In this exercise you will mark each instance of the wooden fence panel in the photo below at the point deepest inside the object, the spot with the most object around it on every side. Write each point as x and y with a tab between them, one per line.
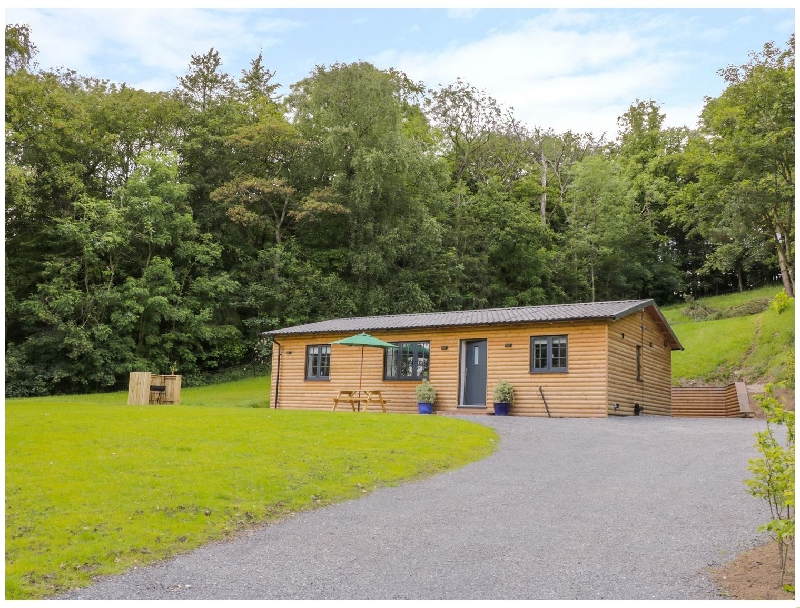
139	388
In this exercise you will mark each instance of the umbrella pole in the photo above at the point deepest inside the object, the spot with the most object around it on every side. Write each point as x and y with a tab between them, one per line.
360	371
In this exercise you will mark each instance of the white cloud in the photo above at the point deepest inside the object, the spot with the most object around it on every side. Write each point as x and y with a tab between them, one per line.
148	48
559	70
463	14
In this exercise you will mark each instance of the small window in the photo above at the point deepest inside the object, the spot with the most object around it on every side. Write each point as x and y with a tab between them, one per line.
318	362
407	361
548	354
638	362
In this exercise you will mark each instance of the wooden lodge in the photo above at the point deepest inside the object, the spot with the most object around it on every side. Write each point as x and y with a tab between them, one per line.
566	360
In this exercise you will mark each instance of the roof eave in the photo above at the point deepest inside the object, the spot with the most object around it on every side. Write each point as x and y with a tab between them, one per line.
659	318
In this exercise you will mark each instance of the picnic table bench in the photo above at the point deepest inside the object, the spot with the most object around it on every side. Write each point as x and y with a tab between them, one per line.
358	397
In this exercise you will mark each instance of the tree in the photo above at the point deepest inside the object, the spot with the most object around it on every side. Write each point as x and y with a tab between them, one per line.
20	50
205	84
256	84
649	156
746	156
212	111
466	118
363	149
613	251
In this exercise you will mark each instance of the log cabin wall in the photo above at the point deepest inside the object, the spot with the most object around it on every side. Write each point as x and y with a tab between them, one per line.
652	389
579	392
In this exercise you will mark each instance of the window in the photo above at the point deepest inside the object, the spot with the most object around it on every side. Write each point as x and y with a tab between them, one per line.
318	362
549	354
407	361
638	362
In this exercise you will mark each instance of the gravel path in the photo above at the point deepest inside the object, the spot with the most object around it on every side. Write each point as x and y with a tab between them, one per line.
618	508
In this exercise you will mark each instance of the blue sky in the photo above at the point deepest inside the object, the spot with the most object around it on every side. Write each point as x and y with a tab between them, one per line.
566	69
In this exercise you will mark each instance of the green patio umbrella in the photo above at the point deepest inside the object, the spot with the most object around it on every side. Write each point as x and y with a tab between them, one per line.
362	340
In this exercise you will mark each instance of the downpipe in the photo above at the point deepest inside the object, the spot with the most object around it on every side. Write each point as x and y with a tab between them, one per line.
278	374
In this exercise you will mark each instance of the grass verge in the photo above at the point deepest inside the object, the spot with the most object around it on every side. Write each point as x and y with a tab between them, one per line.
93	489
753	348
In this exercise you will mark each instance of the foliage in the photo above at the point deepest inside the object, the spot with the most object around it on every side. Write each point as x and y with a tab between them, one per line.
426	393
699	311
503	392
741	165
780	302
94	489
169	230
20	50
673	312
774	473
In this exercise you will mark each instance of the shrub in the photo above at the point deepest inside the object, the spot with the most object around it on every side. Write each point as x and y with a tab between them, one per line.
700	312
780	302
753	307
425	392
773	474
503	392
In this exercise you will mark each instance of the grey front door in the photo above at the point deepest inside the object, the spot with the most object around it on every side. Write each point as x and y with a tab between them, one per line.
474	370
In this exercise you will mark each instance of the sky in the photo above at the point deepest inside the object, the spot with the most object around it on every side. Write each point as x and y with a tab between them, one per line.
565	69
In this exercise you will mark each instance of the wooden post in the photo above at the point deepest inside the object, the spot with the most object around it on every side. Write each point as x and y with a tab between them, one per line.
139	388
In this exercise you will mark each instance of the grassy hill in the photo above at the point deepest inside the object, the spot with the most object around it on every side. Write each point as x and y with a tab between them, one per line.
736	337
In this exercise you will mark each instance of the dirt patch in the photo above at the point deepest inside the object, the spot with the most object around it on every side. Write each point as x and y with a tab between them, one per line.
784	395
755	575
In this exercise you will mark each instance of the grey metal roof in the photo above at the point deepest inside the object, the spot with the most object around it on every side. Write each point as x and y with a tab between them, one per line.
489	316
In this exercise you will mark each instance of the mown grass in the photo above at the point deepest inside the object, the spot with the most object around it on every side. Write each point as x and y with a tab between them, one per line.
674	312
752	348
94	489
713	349
250	392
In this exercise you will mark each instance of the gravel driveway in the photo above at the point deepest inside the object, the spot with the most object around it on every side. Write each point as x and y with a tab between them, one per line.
618	508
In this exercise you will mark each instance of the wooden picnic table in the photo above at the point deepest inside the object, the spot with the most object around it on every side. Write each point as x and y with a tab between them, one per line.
358	397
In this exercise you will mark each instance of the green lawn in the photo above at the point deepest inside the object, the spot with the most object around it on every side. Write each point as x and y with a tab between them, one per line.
713	349
673	313
758	347
94	486
251	392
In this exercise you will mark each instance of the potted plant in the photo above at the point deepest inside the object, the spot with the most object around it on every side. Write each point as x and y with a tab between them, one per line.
426	395
503	397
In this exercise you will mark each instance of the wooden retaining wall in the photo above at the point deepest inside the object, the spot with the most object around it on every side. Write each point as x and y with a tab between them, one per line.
711	401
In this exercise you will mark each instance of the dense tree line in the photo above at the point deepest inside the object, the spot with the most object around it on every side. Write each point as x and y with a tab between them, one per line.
165	231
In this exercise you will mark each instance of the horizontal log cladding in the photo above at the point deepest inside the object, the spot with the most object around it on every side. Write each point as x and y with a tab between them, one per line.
706	401
640	367
582	391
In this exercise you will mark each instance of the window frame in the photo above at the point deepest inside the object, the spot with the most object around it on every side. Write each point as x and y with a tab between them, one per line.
318	377
414	362
550	368
639	351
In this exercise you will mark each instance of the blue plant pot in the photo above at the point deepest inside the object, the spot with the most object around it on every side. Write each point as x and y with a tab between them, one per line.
501	409
425	408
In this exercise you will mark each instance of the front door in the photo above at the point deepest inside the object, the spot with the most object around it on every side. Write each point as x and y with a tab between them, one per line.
473	367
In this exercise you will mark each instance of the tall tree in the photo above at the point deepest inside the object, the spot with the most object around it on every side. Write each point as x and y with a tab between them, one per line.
355	120
20	50
213	110
613	252
746	154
